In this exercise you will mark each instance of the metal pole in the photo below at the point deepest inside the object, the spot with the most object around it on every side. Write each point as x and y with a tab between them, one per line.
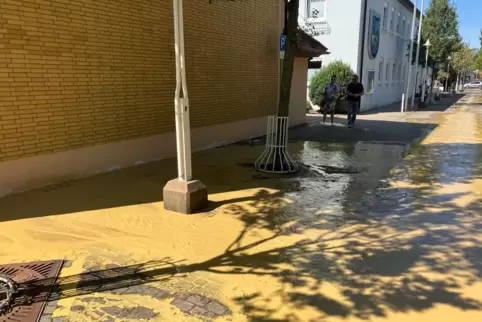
425	76
409	82
418	52
186	121
403	103
447	79
181	100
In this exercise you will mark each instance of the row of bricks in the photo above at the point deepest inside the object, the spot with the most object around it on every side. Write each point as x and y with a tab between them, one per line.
18	127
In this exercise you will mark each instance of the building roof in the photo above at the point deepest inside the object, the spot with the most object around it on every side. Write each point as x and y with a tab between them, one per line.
307	46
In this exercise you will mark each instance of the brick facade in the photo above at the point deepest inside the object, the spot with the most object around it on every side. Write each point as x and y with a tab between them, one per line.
87	72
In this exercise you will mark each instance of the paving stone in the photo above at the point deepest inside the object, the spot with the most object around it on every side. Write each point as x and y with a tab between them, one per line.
217	308
136	289
112	310
118	290
90	299
144	289
94	269
49	309
113	266
161	295
140	312
108	319
46	318
198	311
181	295
198	300
77	308
183	305
60	319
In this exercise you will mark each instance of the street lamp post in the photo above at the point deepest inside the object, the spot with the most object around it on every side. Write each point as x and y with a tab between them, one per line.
427	45
448	74
183	194
409	82
418	51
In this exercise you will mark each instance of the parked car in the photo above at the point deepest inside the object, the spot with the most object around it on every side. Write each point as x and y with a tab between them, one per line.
474	84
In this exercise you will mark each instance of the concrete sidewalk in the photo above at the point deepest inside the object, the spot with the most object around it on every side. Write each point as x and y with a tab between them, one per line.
385	124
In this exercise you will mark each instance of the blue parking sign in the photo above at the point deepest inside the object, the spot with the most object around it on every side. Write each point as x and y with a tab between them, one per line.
282	43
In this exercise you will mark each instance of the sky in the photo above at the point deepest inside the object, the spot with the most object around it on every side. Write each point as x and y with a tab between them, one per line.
470	12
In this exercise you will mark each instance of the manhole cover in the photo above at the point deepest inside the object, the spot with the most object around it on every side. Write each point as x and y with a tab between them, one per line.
35	281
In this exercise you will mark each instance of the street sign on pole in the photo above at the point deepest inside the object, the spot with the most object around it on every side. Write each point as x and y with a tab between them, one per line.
282	46
282	43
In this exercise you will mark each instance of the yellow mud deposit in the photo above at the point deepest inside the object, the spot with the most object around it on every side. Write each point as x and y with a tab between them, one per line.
261	254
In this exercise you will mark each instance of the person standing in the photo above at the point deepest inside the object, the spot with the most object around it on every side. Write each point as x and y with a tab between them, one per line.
330	94
354	93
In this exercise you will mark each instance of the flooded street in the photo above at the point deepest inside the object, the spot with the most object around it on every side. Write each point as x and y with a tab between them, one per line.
383	223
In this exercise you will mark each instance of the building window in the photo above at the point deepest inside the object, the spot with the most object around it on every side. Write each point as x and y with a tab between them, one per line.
402	30
399	19
394	72
385	16
380	71
387	73
409	26
403	72
399	73
315	8
392	19
370	81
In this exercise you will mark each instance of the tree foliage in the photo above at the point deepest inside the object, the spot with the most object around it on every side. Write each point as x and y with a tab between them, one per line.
478	60
423	53
441	26
442	76
464	58
341	70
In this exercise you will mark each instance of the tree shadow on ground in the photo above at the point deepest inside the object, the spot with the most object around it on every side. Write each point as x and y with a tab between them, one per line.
405	246
402	248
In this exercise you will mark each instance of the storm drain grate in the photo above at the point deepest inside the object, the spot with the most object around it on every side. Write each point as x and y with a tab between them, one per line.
34	281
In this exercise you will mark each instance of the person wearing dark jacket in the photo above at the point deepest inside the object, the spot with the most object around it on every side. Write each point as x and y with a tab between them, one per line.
354	93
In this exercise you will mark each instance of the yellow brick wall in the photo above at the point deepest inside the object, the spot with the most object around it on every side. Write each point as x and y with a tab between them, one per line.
76	73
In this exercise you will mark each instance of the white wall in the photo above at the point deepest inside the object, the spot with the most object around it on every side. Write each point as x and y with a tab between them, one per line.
343	18
393	50
298	92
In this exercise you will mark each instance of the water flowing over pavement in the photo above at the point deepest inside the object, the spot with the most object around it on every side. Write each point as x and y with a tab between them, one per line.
372	228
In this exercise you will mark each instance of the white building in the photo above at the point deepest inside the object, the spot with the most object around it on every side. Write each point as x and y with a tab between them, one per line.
383	69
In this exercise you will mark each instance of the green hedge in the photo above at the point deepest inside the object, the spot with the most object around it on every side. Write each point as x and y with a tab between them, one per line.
337	68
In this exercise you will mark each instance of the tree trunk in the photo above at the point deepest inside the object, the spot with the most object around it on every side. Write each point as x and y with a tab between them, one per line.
291	32
291	29
458	79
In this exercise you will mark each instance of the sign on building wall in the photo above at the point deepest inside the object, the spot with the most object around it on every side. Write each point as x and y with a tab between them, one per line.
374	34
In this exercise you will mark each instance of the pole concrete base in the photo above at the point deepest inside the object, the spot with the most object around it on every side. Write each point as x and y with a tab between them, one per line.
186	197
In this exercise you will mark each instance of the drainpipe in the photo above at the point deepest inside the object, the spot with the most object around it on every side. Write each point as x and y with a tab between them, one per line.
365	6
